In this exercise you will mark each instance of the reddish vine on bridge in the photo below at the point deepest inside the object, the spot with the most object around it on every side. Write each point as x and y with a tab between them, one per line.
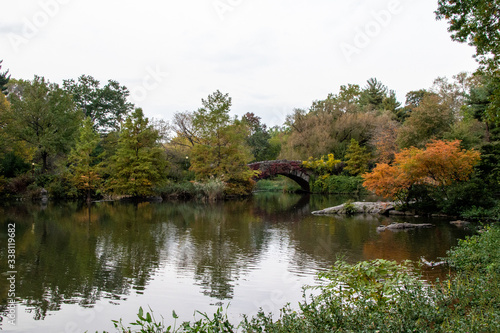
279	167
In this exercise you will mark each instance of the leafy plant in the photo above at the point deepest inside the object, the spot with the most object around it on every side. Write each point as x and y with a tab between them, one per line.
349	207
322	166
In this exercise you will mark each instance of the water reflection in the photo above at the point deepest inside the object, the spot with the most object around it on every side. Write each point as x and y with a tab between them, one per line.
71	254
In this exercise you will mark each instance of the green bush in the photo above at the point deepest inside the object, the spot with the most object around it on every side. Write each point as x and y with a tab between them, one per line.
482	214
11	165
180	190
349	207
465	195
337	184
478	253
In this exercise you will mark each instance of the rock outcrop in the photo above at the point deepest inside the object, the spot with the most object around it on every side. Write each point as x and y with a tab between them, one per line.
401	226
358	208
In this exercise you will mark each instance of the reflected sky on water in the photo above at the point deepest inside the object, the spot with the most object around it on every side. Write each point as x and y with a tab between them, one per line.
79	268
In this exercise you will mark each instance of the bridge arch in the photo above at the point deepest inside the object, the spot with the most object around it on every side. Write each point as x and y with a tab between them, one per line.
290	169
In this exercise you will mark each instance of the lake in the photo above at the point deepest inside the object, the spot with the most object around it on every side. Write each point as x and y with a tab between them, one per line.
78	268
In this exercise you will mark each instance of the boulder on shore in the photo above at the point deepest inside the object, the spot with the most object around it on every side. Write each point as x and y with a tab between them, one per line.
358	208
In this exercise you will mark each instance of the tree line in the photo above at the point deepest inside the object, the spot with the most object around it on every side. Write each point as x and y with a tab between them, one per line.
84	139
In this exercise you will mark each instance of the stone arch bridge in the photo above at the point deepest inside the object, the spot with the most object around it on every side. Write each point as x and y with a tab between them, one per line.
290	169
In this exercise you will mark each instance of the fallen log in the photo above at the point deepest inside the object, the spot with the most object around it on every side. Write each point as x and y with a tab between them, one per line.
432	263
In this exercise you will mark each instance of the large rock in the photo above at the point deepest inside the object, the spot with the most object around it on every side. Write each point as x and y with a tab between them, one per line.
401	226
358	208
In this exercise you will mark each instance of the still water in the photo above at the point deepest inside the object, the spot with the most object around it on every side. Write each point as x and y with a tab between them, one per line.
79	268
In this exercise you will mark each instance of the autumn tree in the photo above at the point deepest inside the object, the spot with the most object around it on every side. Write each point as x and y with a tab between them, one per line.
384	139
437	167
319	133
84	170
106	106
139	163
44	117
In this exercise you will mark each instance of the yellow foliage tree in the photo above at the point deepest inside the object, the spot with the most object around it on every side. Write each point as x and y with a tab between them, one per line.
321	166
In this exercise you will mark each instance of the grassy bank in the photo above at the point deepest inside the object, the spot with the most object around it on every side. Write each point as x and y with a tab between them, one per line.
380	296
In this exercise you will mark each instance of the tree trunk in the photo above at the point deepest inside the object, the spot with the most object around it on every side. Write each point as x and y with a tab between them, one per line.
44	161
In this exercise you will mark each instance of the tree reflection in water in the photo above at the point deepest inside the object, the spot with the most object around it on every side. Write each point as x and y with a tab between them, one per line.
73	254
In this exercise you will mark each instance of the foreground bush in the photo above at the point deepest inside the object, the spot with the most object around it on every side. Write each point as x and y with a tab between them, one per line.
381	296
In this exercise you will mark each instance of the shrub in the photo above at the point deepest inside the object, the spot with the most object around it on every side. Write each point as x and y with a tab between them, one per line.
349	208
181	190
212	189
337	184
478	253
481	213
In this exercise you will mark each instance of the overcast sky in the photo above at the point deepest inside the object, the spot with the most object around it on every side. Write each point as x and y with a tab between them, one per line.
271	56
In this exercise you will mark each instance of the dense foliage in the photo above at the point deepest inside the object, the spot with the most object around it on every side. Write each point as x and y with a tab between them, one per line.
402	150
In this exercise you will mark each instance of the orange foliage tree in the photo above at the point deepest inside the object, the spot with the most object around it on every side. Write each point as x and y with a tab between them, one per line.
439	165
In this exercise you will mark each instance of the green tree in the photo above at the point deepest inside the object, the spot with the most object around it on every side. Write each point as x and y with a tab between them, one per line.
259	137
373	94
475	22
4	79
347	100
221	149
356	158
139	162
106	106
43	116
84	168
4	114
428	121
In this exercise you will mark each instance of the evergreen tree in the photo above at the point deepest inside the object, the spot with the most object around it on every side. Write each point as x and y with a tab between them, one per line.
221	149
376	96
139	163
84	170
357	158
373	94
4	79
